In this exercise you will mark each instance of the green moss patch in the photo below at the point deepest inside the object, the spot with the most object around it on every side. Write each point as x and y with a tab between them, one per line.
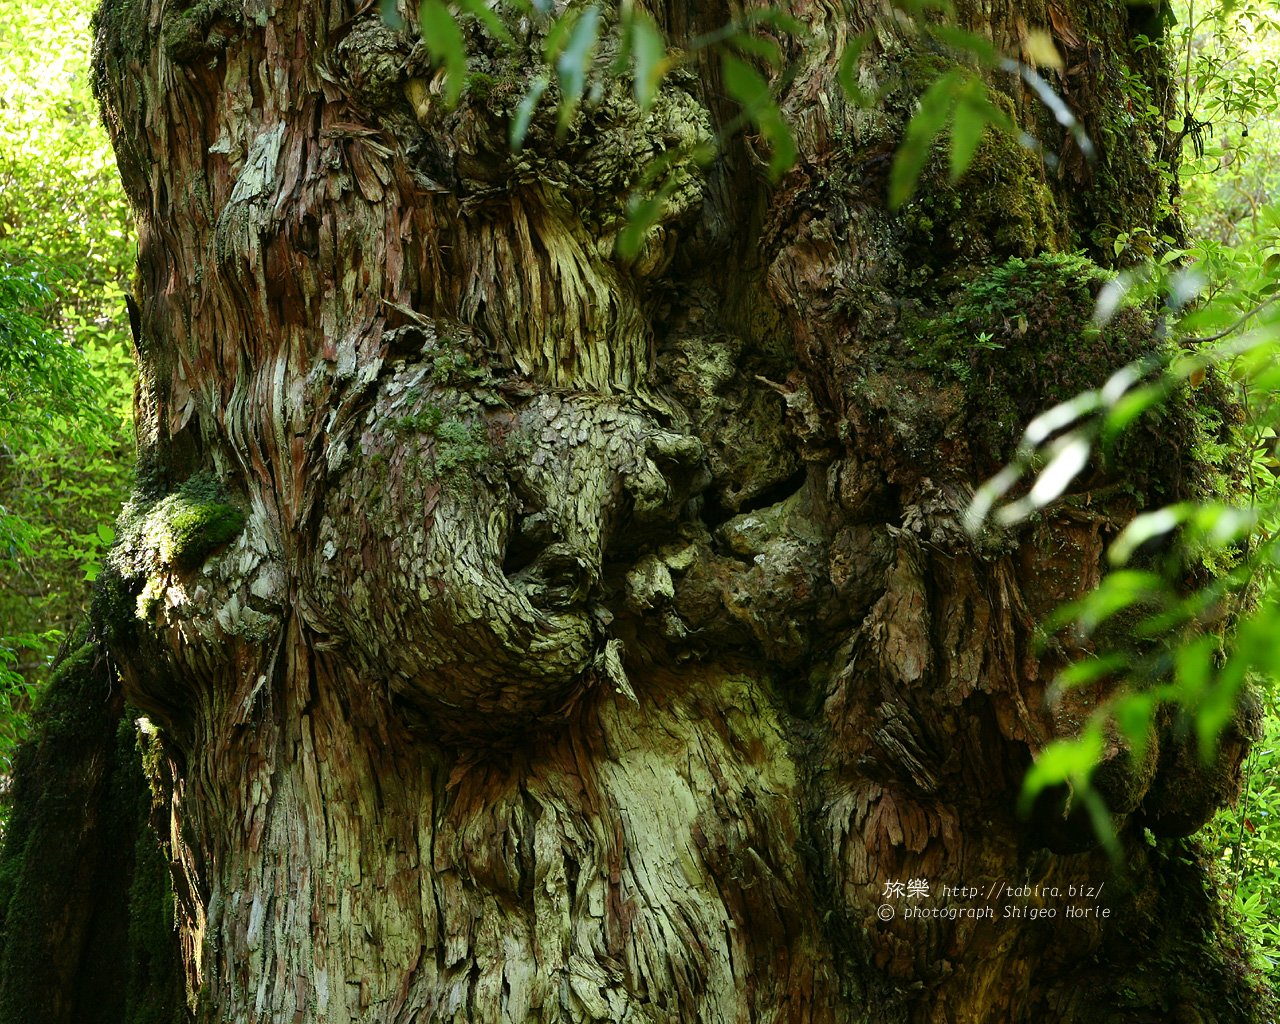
1002	206
181	529
173	533
201	30
1021	339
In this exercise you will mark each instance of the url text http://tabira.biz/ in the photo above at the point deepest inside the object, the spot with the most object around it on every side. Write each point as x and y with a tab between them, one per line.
921	898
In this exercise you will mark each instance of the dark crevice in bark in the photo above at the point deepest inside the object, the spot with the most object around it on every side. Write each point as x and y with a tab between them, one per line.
714	513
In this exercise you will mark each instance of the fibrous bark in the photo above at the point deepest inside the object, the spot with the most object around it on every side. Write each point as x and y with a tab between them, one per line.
536	634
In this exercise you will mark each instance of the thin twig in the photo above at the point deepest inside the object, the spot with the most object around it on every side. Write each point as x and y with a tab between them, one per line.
1235	326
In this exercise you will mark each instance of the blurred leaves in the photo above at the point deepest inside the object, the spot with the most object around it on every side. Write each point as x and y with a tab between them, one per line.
746	85
573	61
958	98
443	39
752	51
1188	618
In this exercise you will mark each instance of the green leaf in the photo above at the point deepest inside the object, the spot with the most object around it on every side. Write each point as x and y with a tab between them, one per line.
1214	713
106	534
558	34
1088	670
1131	406
967	127
391	16
524	112
1133	714
1060	761
1117	591
643	216
847	74
746	85
649	54
973	112
779	19
1144	528
443	39
1194	667
979	46
489	18
571	65
757	46
935	107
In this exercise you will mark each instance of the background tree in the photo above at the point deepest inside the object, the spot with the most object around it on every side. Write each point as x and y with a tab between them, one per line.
533	628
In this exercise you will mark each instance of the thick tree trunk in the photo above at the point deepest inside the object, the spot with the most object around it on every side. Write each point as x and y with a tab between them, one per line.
537	635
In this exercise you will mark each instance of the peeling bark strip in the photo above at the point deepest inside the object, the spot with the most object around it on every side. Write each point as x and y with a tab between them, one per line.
539	636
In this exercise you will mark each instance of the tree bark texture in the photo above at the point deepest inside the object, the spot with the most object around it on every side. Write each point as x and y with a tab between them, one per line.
538	635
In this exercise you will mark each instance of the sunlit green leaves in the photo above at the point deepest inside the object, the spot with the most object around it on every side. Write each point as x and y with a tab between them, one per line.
1205	526
1117	592
957	102
17	692
1063	456
1060	761
66	249
1089	670
1245	842
43	377
1190	613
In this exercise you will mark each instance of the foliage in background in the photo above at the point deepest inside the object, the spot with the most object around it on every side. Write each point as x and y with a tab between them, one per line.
66	251
1246	841
1230	62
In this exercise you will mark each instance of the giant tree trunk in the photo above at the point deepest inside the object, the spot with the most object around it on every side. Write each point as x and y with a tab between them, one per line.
537	635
